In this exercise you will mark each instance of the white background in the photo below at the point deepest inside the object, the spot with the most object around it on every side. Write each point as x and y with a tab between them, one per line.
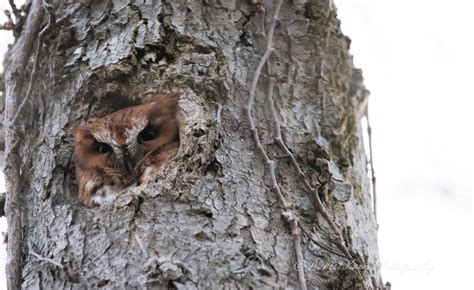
417	58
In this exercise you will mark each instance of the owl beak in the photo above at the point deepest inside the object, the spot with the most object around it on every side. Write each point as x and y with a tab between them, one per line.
128	163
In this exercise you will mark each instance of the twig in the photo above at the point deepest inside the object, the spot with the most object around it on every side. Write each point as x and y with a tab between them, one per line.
51	261
288	215
312	193
140	244
52	20
263	60
293	222
250	103
371	156
2	203
16	65
17	25
260	9
218	123
218	114
13	6
310	236
8	25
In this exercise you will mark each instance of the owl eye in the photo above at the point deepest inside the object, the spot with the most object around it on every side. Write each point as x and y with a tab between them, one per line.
147	134
103	148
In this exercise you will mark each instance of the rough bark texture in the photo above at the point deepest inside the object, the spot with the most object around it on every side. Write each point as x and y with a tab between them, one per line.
212	220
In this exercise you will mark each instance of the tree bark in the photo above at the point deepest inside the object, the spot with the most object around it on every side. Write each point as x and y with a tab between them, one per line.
211	220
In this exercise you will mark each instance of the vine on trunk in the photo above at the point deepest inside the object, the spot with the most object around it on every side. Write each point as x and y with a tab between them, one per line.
287	208
25	28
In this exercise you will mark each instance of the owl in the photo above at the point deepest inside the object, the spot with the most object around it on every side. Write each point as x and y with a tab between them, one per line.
125	148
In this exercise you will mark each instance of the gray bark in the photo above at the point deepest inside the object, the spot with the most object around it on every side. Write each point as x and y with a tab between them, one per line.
212	220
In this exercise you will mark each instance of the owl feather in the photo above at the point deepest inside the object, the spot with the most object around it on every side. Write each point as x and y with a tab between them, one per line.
125	148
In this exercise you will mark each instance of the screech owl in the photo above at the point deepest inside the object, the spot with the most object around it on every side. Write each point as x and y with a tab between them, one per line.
124	148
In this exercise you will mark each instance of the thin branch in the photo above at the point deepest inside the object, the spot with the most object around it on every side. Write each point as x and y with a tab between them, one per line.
8	25
371	156
263	60
16	65
218	114
17	25
310	236
51	22
218	123
140	244
288	215
51	261
2	203
250	104
312	192
13	6
261	10
293	222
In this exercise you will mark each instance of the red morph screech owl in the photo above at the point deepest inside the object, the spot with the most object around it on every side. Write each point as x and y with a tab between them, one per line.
125	148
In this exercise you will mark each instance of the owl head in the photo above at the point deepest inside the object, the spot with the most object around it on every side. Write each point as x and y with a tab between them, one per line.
123	148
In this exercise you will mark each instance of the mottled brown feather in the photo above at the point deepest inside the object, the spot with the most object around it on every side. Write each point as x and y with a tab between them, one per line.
126	157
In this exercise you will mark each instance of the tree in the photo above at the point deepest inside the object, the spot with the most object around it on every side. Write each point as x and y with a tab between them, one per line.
270	188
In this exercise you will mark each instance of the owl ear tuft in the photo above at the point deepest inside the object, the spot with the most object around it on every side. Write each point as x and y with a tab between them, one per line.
80	133
167	102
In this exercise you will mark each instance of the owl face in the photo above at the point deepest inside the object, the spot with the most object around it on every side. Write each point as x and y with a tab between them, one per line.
124	148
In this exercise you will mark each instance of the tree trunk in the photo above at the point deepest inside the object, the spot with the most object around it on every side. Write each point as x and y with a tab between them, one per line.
212	220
